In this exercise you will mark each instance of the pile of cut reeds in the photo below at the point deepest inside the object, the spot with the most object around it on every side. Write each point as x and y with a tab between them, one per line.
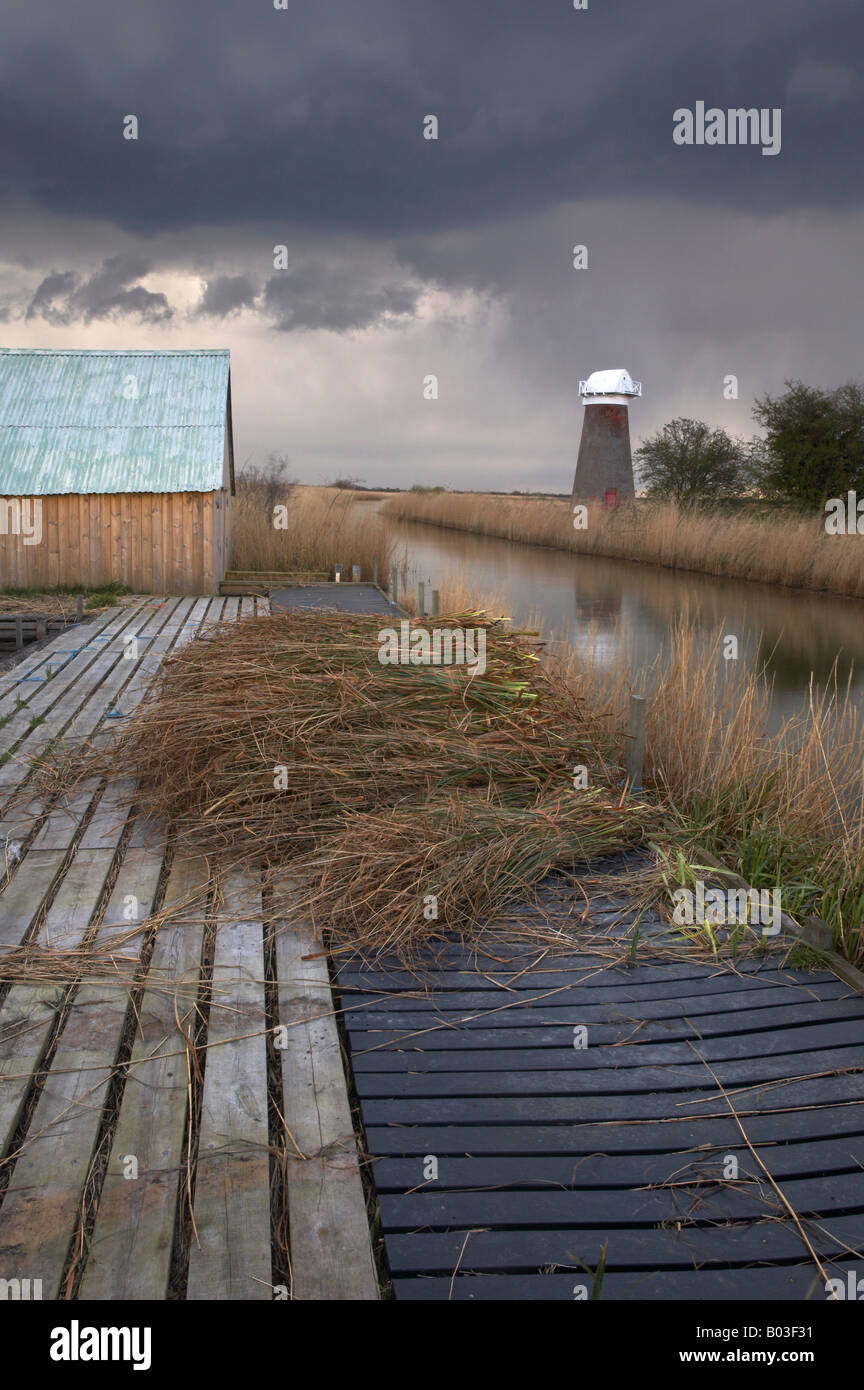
284	740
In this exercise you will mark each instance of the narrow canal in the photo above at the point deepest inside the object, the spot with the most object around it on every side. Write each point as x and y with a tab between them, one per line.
609	605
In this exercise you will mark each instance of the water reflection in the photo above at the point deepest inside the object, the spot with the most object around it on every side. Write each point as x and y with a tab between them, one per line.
612	602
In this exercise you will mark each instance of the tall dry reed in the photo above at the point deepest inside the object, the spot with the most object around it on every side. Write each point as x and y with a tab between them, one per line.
323	527
776	549
787	808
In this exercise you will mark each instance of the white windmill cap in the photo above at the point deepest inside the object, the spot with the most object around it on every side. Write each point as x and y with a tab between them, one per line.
614	382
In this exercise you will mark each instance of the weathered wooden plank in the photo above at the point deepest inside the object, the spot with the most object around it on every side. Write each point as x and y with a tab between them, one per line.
691	1206
786	1283
612	1083
531	1251
572	996
30	697
632	1136
589	975
610	1170
63	928
331	1252
374	1014
628	1105
232	1258
382	1033
42	1204
130	1253
796	1043
80	707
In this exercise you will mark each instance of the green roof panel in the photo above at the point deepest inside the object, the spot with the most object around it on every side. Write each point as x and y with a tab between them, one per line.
102	422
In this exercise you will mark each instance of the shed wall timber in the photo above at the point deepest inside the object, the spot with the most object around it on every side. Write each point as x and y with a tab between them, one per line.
154	542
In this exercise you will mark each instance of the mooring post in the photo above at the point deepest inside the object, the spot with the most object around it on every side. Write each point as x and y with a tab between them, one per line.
375	569
19	633
41	629
421	599
394	586
435	603
79	607
355	574
636	742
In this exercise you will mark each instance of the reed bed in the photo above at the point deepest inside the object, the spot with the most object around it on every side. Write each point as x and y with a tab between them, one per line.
785	808
323	527
285	740
781	548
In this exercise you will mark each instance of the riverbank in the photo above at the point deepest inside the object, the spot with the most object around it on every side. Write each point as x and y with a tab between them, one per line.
784	808
780	549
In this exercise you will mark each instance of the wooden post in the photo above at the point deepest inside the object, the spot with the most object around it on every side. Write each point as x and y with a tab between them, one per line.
436	604
41	629
79	607
421	599
375	569
394	587
636	742
19	633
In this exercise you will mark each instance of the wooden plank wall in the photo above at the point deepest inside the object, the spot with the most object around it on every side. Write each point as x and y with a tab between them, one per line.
154	542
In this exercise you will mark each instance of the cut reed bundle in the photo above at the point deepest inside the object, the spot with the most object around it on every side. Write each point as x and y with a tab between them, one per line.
266	734
284	740
394	880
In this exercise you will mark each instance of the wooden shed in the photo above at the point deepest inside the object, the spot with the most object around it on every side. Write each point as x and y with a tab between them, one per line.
115	466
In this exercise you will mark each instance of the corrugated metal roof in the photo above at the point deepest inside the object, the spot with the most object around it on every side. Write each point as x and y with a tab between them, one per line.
89	422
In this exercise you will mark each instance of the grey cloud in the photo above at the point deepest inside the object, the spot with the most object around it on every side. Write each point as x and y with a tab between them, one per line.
110	292
334	297
314	115
51	299
225	294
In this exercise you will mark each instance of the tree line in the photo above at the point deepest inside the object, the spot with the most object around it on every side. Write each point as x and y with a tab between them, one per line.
812	449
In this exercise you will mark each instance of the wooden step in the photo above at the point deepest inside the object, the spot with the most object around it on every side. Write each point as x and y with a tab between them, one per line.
276	577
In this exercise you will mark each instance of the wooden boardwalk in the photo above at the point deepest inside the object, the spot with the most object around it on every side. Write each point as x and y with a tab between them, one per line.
174	1117
527	1112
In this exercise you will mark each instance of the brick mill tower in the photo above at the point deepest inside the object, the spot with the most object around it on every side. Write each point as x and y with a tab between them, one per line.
604	468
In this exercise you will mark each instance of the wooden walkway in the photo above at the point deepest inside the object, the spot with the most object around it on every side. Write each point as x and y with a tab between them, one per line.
174	1117
511	1148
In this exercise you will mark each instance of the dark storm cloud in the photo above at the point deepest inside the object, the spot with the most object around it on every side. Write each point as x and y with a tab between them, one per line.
320	296
314	114
225	294
63	298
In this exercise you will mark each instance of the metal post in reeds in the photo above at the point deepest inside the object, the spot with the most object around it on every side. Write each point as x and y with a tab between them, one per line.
394	586
636	742
375	570
421	599
436	603
337	570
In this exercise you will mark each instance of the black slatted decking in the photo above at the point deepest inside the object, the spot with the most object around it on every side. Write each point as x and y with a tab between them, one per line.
547	1152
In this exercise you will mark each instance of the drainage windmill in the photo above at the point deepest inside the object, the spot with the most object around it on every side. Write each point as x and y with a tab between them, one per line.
604	468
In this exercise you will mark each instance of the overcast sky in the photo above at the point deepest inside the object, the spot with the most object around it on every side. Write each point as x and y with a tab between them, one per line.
407	257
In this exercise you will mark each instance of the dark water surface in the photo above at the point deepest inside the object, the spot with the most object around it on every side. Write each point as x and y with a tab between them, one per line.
606	604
